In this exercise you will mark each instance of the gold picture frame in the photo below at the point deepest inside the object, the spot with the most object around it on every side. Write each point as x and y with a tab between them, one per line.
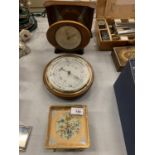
67	131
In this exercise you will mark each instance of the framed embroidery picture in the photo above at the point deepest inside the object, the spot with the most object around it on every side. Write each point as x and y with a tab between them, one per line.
68	127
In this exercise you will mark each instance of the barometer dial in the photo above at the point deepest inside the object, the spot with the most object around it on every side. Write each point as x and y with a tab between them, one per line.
68	74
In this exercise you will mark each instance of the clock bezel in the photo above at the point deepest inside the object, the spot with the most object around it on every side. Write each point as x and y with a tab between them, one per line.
68	94
84	31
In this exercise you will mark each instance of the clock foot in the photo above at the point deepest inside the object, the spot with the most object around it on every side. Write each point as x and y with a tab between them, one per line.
80	51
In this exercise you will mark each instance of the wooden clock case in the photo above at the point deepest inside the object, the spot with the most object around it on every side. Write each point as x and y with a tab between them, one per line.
78	14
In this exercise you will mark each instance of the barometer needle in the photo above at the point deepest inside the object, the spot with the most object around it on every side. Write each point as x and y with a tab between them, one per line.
70	73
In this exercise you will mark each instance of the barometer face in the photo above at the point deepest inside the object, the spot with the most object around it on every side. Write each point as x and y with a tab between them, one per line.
68	76
68	37
68	73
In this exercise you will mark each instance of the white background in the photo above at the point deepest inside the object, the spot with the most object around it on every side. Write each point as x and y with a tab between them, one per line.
145	77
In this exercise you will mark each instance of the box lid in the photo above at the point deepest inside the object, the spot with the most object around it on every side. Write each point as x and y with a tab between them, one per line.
89	3
115	8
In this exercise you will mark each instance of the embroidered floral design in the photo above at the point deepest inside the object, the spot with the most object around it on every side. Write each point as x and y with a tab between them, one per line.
67	126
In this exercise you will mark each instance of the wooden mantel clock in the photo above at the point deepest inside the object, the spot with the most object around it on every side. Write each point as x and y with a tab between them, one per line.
70	24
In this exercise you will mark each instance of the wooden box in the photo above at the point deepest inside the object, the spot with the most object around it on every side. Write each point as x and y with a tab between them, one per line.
107	12
67	131
121	56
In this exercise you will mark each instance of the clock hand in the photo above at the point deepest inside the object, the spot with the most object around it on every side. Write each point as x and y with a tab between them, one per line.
67	32
67	35
71	36
70	73
62	69
76	77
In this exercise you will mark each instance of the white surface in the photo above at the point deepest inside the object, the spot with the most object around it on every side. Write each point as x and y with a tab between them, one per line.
105	128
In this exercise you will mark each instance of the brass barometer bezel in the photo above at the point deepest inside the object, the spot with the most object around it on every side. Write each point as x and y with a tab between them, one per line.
68	94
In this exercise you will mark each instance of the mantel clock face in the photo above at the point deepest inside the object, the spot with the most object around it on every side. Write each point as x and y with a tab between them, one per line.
68	37
68	76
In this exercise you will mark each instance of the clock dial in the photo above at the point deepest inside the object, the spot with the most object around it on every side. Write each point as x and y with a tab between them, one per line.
68	73
68	37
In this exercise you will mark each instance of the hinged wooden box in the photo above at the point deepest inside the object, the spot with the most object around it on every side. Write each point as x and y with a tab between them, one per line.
108	14
121	56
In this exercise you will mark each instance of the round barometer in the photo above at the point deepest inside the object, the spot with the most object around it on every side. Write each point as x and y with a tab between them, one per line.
68	76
